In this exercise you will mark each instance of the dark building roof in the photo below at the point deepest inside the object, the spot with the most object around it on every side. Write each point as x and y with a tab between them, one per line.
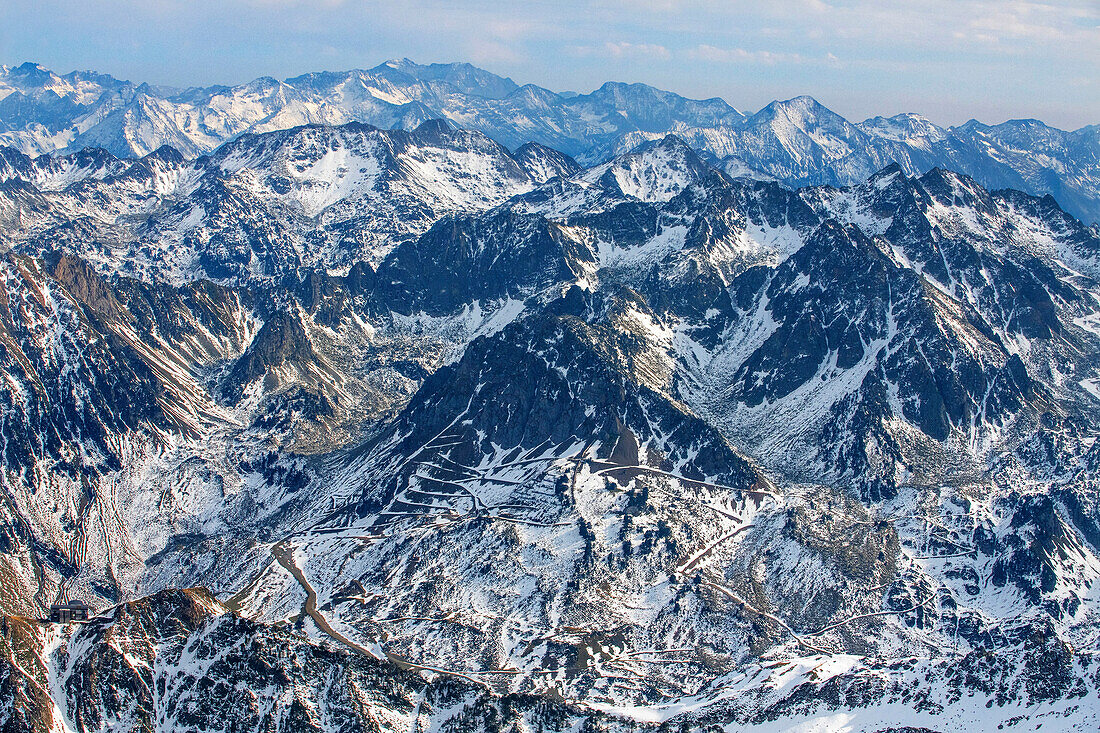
70	611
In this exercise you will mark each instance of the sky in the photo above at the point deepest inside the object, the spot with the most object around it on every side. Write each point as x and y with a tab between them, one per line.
949	60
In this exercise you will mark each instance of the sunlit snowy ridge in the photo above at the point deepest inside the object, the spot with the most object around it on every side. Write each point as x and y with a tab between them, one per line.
464	436
796	141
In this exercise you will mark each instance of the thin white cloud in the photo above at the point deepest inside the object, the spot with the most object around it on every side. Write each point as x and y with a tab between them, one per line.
714	54
1038	23
490	52
624	50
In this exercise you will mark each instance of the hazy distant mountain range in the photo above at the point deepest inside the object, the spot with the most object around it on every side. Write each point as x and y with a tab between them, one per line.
796	141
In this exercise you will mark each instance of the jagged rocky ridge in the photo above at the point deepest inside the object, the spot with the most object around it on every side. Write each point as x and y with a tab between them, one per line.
796	141
179	660
669	445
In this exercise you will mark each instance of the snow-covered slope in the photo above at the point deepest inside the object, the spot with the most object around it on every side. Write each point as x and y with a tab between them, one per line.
670	446
181	661
797	141
654	171
261	205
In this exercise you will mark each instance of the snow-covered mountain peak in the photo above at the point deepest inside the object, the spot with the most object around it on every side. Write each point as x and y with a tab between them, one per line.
534	97
906	128
803	112
953	189
656	170
436	130
165	154
797	141
32	74
887	176
462	77
543	163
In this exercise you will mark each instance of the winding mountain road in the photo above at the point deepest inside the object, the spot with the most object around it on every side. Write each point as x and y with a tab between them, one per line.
284	555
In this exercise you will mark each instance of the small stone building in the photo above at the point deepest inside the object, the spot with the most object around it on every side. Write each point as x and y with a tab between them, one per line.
71	611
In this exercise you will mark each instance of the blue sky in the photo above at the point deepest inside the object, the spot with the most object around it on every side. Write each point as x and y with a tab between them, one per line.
947	59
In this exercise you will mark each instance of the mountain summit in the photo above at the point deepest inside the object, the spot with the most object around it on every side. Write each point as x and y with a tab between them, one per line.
797	141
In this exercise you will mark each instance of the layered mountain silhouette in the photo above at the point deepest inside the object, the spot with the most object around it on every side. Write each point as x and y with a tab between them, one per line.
796	141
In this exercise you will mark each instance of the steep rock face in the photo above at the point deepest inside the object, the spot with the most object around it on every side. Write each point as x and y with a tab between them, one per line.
281	343
543	163
102	389
839	316
95	373
24	677
88	359
463	260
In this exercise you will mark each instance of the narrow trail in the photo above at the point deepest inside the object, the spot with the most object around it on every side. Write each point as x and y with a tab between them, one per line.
282	552
284	556
78	549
